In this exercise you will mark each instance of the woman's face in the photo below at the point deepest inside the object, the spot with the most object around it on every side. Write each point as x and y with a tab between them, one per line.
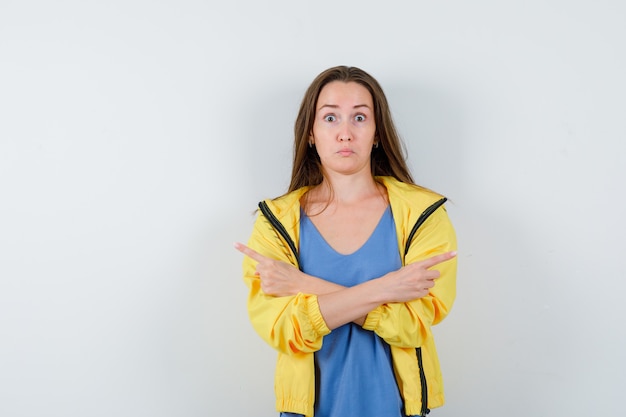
344	128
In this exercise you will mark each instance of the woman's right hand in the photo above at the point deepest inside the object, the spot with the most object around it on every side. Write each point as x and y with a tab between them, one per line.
413	281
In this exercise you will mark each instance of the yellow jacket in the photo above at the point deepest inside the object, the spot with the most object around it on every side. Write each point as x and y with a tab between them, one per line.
294	326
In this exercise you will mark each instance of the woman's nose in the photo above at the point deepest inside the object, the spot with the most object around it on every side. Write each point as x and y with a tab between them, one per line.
344	133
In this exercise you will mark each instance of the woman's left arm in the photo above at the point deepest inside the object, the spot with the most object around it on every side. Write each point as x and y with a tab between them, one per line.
402	324
281	279
409	324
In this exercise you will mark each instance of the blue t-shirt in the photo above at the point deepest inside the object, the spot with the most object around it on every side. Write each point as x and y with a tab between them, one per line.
353	369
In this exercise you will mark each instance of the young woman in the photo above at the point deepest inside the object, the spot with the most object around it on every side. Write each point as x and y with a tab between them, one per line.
348	271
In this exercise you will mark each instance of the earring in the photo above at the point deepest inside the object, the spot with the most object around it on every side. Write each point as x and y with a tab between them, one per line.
376	145
310	144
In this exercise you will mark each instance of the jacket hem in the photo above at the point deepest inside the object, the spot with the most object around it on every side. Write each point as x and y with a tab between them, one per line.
414	407
292	406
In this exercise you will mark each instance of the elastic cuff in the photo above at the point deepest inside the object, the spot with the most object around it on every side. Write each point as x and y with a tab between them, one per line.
372	319
317	321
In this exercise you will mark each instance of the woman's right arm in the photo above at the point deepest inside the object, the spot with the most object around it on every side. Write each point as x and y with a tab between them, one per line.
291	324
406	284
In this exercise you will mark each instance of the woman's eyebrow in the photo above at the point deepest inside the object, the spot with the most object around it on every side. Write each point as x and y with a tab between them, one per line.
334	106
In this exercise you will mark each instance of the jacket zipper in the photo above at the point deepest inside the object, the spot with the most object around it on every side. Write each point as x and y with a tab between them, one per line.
278	226
420	363
422	218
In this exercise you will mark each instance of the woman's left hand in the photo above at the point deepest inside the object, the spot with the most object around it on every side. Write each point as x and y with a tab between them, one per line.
278	278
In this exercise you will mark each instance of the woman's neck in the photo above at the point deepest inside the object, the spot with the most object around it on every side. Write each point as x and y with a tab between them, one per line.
346	190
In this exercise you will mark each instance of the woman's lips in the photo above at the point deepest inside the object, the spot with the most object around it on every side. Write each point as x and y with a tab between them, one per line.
345	152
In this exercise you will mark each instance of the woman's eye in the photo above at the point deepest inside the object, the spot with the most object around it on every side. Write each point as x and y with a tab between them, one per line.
360	118
330	118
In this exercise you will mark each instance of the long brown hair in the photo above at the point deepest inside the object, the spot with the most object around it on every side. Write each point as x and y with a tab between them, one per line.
387	159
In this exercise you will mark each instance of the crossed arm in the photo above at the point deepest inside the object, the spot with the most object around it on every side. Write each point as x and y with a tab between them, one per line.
340	305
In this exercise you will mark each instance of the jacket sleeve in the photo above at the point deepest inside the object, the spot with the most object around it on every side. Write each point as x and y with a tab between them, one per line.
291	324
409	324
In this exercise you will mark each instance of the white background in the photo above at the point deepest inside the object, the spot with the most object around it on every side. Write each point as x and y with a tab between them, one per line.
136	138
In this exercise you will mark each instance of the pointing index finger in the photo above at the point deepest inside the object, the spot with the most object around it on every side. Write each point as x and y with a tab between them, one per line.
437	259
249	252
